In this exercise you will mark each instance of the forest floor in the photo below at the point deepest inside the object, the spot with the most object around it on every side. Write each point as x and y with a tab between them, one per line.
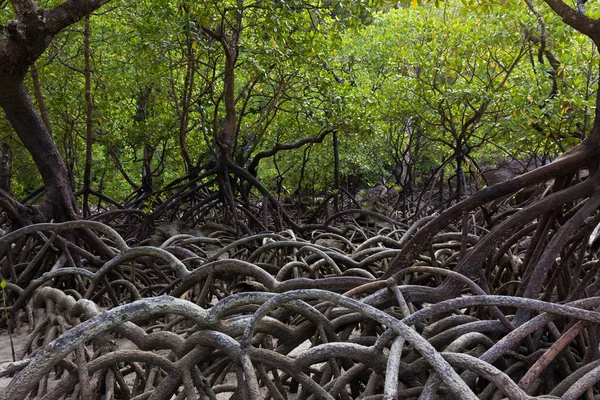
295	315
6	353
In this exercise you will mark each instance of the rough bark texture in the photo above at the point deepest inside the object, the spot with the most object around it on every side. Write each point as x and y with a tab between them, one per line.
25	120
22	41
5	166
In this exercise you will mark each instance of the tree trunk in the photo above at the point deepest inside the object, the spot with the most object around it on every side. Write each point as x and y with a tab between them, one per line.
39	97
336	172
89	110
460	191
149	148
59	203
5	166
186	101
22	41
226	138
147	185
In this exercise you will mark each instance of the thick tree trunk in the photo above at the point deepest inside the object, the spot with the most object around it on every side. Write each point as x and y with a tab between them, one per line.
21	113
227	137
22	41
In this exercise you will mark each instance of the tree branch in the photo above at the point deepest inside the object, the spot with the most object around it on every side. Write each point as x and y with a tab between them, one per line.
252	168
69	12
588	26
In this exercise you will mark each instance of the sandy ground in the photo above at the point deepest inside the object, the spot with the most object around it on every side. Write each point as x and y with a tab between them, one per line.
19	338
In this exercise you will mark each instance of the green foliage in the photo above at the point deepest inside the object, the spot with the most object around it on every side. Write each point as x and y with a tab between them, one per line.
463	80
452	81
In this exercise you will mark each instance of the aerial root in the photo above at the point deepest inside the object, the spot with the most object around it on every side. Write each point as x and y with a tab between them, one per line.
272	314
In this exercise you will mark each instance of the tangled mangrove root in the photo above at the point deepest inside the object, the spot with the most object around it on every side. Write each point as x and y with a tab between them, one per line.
276	316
